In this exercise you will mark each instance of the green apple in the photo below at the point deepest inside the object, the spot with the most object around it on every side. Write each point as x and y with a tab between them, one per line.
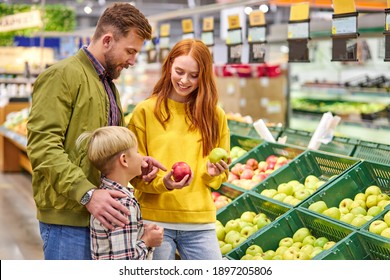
358	210
371	200
373	189
269	254
254	249
286	241
269	192
345	204
383	196
226	248
289	199
244	223
386	218
279	196
332	212
318	206
232	236
285	188
248	216
247	257
258	216
347	218
377	226
374	210
297	245
383	203
310	181
277	258
318	184
262	222
220	231
309	240
290	253
218	154
386	232
368	218
239	241
358	221
218	223
298	187
315	252
360	196
302	194
357	203
258	257
295	201
308	249
300	234
280	250
329	245
248	231
232	225
320	241
293	183
301	256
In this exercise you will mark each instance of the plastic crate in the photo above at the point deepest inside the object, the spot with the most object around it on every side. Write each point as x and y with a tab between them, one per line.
251	202
359	246
340	145
229	191
240	128
355	180
245	142
262	151
297	137
320	164
286	226
377	236
374	152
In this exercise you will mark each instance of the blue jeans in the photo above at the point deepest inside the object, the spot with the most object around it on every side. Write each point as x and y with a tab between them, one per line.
191	245
65	242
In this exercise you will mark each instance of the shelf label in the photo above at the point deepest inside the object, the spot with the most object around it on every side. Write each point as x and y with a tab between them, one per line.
298	30
20	21
186	25
208	24
256	34
234	21
344	25
256	18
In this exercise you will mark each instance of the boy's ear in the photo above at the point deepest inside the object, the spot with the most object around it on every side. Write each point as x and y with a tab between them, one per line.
123	160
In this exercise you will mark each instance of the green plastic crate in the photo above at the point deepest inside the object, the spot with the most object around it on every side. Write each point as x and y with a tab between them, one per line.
229	191
240	128
378	217
251	202
355	180
374	152
262	151
359	246
320	164
245	142
286	226
340	145
297	137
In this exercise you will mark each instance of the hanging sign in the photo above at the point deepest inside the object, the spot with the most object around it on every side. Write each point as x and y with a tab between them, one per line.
207	35
20	21
188	30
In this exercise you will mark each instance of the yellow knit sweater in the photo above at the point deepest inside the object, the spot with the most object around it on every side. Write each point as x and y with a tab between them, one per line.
192	204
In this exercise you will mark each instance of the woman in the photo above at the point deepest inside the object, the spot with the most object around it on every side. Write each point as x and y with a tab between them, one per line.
181	121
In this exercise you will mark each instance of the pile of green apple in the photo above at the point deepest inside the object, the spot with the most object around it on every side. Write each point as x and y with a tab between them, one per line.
301	246
293	192
357	211
236	231
381	226
237	152
252	172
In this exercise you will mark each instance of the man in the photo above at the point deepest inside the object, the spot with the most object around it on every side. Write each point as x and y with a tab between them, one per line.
73	96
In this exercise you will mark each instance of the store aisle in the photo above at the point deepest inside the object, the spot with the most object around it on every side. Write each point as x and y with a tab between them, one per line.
19	232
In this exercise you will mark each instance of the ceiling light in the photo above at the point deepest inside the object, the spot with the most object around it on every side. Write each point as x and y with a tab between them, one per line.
87	10
248	10
264	8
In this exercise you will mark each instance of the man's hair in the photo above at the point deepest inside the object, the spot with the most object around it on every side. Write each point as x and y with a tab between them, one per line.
120	18
105	143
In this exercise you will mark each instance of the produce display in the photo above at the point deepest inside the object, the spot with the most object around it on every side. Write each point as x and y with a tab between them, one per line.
381	226
302	245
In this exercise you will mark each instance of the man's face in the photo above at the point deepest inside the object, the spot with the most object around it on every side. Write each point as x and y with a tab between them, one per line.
122	53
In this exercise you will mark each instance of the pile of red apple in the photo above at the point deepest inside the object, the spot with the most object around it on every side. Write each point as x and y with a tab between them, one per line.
356	211
301	246
293	192
381	226
220	200
251	173
236	231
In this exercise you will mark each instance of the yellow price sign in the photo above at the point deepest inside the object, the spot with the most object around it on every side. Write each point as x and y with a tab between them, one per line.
165	30
186	25
208	24
234	21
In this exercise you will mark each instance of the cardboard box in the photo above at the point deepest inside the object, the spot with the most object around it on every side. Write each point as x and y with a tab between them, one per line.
260	98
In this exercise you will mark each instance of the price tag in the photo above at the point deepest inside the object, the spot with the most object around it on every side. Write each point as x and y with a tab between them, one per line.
256	18
256	34
387	22
165	30
344	25
186	25
234	21
234	37
299	12
207	38
298	30
208	24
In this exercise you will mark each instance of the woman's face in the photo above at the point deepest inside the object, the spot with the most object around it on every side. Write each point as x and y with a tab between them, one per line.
184	77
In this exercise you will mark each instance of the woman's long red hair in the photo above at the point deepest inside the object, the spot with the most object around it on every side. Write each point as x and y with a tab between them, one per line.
202	103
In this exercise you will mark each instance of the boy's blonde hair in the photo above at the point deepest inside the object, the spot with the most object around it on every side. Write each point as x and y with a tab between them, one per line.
105	143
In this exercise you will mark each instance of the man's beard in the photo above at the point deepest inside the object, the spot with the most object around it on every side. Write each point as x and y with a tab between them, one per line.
111	68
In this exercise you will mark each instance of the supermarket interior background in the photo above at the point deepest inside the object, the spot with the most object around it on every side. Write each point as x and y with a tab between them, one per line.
287	63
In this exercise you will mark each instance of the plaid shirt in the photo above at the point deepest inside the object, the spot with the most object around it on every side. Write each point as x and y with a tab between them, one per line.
120	243
114	113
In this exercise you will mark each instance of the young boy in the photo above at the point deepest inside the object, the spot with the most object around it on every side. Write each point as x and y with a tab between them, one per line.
113	151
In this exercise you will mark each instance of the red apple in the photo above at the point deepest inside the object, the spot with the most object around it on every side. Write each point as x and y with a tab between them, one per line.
262	166
247	174
232	177
253	163
180	170
215	195
259	177
237	169
271	159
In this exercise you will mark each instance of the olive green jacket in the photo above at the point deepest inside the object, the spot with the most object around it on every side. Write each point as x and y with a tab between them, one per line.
68	99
